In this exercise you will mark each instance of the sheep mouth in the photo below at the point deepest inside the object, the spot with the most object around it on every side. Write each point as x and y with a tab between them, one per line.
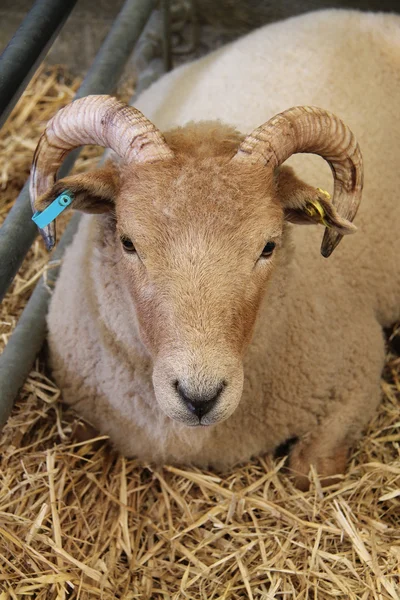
194	422
200	424
205	421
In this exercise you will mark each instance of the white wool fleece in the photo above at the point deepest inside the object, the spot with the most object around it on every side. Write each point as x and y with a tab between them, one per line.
313	372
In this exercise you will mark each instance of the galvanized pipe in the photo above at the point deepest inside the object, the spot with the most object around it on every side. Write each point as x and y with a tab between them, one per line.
16	237
110	61
27	49
27	339
167	50
148	61
18	232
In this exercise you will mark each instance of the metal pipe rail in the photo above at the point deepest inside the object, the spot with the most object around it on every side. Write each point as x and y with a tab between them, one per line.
27	49
18	232
26	341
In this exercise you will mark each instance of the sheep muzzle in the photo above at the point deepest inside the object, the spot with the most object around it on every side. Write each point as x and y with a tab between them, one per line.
198	390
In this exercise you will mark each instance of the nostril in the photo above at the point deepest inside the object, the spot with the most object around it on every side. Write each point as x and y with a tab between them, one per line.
199	404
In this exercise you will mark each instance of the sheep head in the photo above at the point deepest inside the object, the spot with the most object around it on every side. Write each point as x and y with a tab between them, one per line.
199	226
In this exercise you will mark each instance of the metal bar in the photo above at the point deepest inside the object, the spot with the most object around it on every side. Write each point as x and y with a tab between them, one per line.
167	51
25	342
27	338
149	44
18	231
117	47
16	237
149	63
27	48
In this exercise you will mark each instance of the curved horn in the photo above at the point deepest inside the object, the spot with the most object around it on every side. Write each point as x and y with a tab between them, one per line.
314	130
100	120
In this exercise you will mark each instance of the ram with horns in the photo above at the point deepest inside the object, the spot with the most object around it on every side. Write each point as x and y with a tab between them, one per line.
192	322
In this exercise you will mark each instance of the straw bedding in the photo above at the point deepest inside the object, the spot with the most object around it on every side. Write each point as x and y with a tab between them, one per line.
79	521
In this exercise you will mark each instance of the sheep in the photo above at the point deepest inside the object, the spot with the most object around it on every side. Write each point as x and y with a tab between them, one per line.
194	320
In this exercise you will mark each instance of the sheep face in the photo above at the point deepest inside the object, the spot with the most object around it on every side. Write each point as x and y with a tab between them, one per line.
191	237
197	238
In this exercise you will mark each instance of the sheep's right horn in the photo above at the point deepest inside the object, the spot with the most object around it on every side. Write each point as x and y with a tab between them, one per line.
100	120
312	129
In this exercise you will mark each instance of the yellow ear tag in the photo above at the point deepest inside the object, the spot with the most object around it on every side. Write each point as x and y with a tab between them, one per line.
316	211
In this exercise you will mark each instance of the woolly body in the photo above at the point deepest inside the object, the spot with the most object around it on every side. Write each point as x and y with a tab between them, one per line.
312	370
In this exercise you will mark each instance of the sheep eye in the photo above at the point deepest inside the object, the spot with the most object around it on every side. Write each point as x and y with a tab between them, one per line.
127	245
268	249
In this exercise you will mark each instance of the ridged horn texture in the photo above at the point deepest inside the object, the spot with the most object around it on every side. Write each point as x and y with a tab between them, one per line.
100	120
314	130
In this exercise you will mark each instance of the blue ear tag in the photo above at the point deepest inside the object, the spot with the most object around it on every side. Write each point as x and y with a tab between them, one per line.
42	219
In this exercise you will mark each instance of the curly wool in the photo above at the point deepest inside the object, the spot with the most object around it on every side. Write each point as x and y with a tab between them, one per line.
312	371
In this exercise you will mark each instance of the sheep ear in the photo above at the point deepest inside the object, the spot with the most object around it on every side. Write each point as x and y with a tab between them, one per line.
93	192
306	205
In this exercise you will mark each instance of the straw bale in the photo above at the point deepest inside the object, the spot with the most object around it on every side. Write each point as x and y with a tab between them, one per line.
79	521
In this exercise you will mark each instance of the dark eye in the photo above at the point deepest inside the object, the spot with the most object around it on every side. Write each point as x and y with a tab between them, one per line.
268	249
127	244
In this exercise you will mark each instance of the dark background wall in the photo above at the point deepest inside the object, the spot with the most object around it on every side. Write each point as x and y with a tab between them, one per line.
242	15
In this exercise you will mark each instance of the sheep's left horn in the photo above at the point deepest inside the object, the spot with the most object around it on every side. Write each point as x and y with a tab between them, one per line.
314	130
100	120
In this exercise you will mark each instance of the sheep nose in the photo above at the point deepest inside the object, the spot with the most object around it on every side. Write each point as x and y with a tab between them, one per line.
200	404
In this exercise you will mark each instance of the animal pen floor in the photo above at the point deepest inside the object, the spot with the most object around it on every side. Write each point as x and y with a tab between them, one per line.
79	521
